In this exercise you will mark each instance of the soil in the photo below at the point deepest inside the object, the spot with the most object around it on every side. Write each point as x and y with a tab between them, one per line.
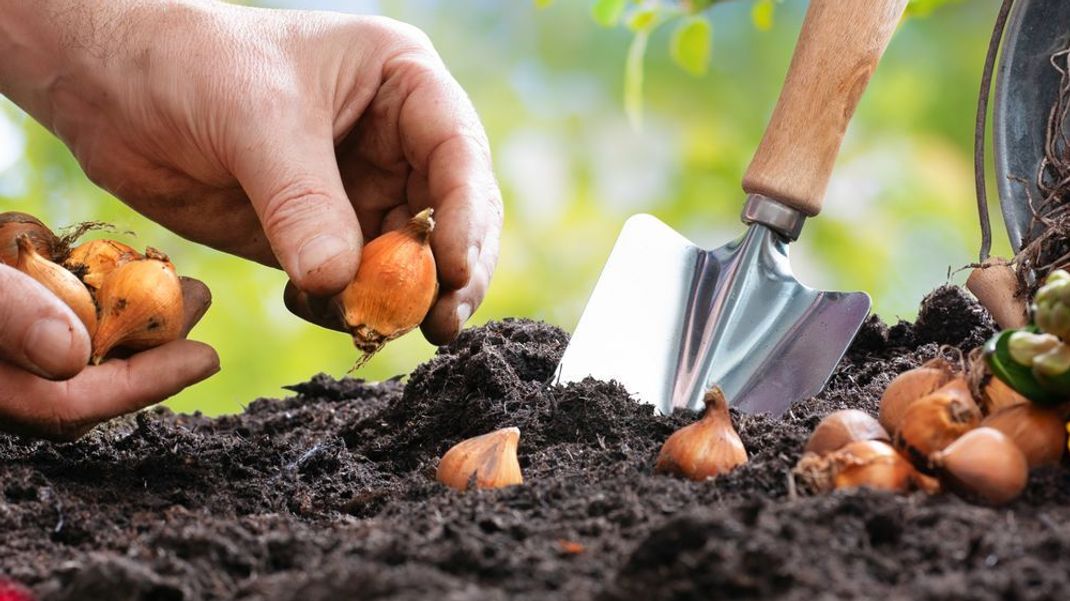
330	494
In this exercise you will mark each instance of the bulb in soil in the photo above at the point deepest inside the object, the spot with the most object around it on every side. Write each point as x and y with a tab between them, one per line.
860	464
997	396
935	421
910	386
59	281
395	286
14	224
843	427
487	461
140	306
1039	432
927	484
991	393
983	464
94	260
705	448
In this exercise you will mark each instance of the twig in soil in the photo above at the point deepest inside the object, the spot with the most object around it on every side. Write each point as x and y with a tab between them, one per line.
305	457
50	495
793	492
1047	521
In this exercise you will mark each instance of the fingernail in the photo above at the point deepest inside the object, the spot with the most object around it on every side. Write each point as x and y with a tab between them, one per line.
47	346
318	251
464	311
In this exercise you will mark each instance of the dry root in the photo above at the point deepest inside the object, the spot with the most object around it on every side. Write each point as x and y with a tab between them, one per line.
1049	249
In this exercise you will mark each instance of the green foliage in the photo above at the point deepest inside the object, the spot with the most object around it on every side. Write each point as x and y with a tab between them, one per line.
645	18
607	13
923	8
690	46
762	14
633	78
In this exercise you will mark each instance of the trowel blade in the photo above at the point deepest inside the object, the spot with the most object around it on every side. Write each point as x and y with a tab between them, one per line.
668	319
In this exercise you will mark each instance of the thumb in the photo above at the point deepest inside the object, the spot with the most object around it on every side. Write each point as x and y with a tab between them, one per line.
38	332
294	186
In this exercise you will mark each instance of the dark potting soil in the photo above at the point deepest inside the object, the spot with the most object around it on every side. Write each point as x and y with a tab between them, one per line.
330	494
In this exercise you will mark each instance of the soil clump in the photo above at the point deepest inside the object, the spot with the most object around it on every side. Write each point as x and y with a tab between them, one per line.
330	494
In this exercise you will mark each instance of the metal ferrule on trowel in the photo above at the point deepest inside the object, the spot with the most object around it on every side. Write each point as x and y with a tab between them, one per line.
669	320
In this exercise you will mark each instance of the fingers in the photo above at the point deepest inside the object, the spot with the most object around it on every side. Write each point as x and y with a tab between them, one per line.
196	298
396	218
291	177
445	142
454	307
66	410
315	309
38	332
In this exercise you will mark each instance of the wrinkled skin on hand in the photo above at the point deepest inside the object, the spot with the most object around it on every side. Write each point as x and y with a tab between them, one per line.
46	388
284	137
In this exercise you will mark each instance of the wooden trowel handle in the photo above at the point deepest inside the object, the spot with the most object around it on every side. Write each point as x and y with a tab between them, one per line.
839	47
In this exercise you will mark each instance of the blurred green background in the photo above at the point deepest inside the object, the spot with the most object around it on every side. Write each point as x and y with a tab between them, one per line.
548	82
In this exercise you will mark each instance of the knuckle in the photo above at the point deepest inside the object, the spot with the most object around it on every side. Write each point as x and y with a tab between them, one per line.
468	140
475	138
293	204
401	34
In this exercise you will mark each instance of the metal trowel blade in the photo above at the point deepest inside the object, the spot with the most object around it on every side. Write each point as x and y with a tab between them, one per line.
668	320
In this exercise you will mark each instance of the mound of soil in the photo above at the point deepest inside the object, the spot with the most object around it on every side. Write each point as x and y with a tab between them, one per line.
330	494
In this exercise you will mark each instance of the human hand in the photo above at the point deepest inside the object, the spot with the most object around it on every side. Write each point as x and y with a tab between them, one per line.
47	389
284	137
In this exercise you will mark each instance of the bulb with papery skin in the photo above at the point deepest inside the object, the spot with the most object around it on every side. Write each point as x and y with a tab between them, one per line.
14	224
706	448
487	461
860	464
94	260
140	306
1039	432
394	288
59	281
935	421
910	386
985	465
843	427
873	464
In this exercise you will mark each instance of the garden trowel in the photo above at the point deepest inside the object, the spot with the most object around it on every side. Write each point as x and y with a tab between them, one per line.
668	320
